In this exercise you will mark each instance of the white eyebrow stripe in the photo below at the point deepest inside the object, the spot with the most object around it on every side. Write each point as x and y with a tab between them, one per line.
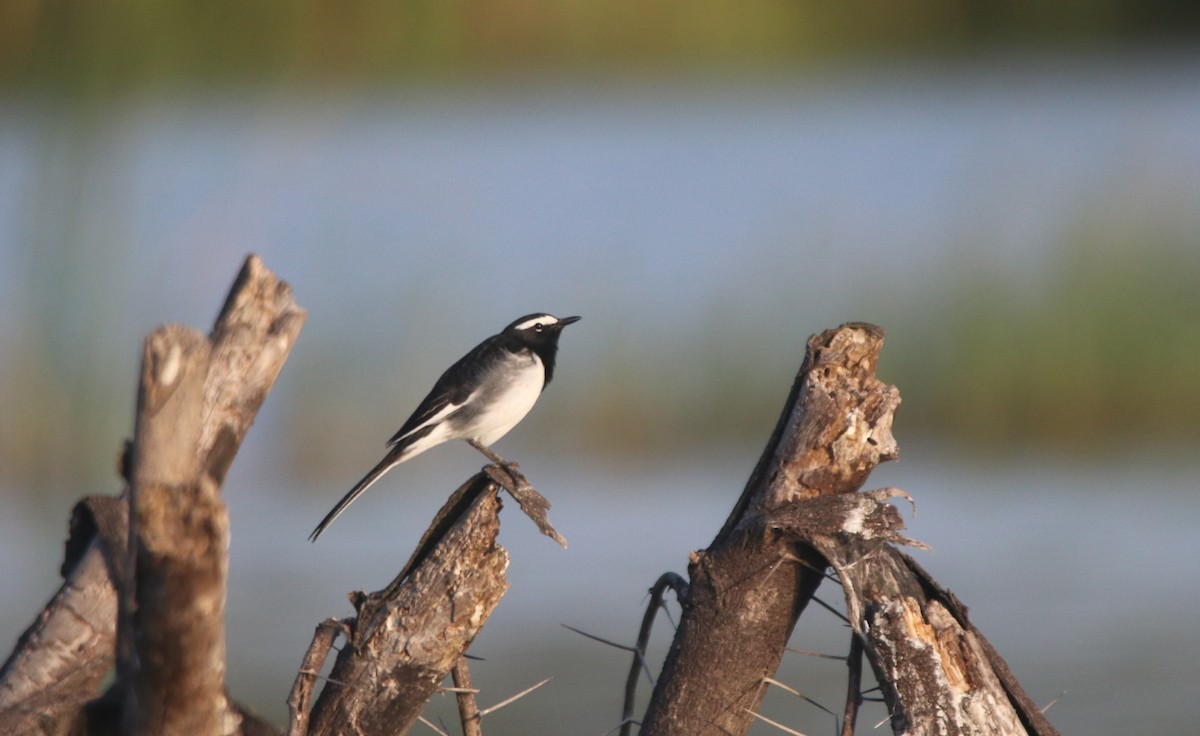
546	319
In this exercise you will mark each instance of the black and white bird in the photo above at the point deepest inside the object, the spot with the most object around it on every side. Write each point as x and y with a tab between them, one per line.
478	399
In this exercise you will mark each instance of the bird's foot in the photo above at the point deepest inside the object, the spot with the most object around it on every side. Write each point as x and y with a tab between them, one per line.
507	478
510	469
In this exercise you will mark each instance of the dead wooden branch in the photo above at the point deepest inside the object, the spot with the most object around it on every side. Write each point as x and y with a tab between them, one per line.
937	673
200	397
935	670
407	638
464	693
61	660
300	699
173	598
835	427
667	581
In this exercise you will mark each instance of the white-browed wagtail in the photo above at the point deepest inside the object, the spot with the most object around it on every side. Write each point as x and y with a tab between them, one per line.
478	399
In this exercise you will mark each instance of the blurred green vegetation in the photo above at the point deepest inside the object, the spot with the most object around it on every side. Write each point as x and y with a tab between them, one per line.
1102	352
99	49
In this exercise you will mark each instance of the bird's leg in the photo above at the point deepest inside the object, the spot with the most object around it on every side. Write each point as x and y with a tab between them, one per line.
490	454
504	466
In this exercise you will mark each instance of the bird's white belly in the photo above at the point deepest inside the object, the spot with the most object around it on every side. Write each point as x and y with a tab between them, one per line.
508	405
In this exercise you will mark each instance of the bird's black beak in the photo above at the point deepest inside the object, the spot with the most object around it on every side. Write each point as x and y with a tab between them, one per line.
568	321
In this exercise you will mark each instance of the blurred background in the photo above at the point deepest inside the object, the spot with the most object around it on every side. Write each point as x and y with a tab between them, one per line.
1011	190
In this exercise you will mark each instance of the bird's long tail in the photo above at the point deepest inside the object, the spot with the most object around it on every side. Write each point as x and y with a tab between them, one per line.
391	460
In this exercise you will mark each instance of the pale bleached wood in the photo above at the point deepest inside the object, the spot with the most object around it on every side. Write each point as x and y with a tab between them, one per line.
64	656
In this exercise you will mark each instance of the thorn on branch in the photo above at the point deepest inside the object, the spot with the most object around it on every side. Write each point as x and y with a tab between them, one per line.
602	640
798	694
1057	698
831	609
513	699
435	729
822	655
776	724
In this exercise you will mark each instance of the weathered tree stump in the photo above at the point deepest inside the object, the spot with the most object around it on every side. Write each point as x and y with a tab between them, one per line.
800	514
197	398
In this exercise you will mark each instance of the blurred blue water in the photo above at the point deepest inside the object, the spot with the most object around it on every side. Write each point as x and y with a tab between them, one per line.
651	201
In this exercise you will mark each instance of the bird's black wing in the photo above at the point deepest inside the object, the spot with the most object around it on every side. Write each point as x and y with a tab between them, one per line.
453	387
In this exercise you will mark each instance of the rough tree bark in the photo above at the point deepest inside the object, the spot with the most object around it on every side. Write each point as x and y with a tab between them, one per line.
198	398
172	678
937	672
798	515
173	602
61	660
751	584
405	639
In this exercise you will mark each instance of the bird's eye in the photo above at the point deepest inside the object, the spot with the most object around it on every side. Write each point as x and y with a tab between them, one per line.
539	327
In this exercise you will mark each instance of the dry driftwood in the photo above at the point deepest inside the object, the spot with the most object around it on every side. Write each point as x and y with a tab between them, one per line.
172	678
937	672
748	588
407	638
799	514
198	397
173	612
61	660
